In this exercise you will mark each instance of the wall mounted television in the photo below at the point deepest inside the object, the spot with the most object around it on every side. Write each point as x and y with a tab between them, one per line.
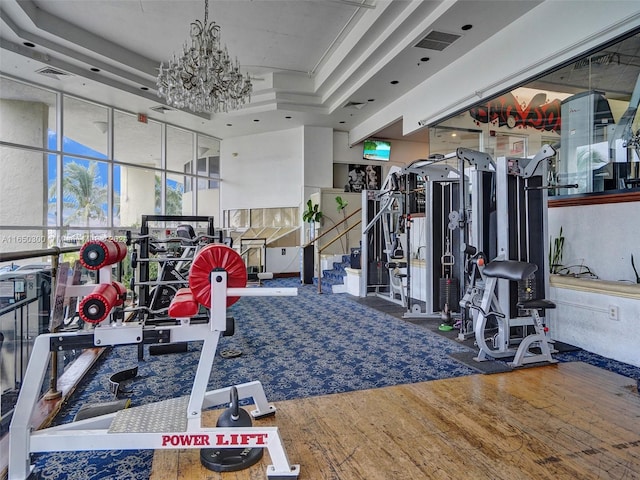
376	150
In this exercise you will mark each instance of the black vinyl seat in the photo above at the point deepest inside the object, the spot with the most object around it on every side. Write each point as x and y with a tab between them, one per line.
510	269
538	304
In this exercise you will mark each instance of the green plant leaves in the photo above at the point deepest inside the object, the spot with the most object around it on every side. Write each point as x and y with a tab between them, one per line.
312	213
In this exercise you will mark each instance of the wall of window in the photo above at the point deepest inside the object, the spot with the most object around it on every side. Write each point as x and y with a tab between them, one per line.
71	169
587	110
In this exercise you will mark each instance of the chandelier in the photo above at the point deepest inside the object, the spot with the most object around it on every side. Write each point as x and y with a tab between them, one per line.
204	78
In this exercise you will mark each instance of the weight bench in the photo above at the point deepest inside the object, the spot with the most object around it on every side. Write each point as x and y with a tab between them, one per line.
183	304
217	279
513	271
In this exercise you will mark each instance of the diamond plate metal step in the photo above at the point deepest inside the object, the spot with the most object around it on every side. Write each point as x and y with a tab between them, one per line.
165	416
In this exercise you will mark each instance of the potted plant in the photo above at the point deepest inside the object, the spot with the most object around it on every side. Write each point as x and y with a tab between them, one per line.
312	215
556	247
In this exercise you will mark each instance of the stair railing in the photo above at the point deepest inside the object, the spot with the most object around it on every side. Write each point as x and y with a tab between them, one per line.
320	249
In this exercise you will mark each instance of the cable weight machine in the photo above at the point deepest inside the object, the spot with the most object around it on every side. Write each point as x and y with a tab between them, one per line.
437	182
522	224
387	252
507	300
459	211
476	224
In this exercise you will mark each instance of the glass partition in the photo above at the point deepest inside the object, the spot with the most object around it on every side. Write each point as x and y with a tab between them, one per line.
85	128
208	146
84	192
179	148
138	192
136	142
65	191
23	200
176	202
29	114
587	110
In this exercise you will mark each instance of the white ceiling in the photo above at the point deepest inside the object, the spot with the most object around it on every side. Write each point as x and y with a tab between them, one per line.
308	58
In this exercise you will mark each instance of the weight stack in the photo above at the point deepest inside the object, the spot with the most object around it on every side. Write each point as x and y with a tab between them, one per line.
449	294
526	291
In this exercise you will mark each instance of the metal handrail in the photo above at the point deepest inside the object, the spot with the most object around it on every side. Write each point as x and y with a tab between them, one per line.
54	253
339	236
335	239
313	240
11	256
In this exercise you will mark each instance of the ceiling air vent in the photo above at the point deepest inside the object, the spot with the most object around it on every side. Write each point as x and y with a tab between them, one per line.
437	40
52	73
597	60
161	109
357	105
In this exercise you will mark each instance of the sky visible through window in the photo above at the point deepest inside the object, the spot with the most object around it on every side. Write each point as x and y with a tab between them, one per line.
71	148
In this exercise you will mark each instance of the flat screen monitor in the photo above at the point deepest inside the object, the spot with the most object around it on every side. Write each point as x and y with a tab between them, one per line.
377	150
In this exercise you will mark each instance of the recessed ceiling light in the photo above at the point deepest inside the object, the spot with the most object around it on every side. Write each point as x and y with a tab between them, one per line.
424	59
341	121
94	69
394	82
467	27
144	88
256	120
229	124
29	44
371	100
288	116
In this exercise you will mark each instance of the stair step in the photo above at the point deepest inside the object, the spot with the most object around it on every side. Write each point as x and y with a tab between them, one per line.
333	280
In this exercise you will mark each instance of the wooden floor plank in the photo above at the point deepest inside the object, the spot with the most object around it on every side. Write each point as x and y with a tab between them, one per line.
562	421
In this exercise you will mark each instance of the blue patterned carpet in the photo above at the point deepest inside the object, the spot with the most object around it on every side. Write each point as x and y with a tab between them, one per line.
296	346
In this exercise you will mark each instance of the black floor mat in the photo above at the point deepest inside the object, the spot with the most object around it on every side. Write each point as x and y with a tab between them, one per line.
562	347
432	324
487	367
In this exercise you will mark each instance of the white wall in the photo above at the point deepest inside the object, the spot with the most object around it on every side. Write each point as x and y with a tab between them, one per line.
318	157
262	171
582	318
402	153
603	237
275	169
283	259
552	33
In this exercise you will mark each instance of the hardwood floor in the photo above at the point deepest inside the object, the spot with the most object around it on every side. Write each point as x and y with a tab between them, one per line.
565	421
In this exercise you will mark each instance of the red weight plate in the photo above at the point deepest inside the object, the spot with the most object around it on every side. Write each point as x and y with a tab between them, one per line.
212	257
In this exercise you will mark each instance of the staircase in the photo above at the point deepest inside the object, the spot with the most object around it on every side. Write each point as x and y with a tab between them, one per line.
333	273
